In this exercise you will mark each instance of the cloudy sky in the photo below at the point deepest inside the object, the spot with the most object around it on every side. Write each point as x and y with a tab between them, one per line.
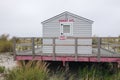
24	17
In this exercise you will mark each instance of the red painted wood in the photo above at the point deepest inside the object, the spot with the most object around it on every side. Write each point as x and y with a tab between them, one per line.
68	58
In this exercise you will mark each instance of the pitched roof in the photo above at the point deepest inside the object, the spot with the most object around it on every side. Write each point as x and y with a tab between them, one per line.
71	14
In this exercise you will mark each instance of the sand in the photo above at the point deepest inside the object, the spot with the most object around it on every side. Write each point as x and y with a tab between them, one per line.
7	61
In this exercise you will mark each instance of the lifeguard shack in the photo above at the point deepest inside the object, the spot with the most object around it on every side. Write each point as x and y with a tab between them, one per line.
64	26
67	37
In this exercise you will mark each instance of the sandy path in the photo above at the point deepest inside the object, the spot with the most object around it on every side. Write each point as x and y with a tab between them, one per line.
7	60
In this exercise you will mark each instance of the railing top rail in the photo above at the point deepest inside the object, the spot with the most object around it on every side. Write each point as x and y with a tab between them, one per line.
26	37
109	37
67	37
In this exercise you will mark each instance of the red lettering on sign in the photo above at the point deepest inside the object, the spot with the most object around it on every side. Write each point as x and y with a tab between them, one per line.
62	37
71	20
63	20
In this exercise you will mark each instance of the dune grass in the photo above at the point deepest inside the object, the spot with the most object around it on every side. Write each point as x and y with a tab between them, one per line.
5	43
37	70
33	70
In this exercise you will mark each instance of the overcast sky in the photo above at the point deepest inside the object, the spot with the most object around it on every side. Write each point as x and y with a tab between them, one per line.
24	17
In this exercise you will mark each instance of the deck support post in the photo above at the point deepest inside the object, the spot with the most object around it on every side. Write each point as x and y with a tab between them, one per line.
99	46
115	66
66	75
76	49
54	49
33	48
14	48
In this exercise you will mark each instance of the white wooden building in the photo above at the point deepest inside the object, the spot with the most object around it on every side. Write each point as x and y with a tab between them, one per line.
66	25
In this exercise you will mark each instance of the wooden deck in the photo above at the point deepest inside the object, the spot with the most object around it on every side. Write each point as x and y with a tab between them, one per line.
101	52
38	51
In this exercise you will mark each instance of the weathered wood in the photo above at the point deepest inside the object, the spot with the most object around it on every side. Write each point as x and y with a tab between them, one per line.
99	46
108	46
64	45
24	44
33	48
27	37
75	54
68	37
76	49
53	48
14	47
94	46
37	42
115	46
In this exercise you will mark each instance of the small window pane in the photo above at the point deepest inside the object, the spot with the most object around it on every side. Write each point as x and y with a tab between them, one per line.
66	28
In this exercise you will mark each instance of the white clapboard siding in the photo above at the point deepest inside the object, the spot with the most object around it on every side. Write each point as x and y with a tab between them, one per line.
51	31
84	50
68	49
67	41
47	49
47	41
84	41
65	49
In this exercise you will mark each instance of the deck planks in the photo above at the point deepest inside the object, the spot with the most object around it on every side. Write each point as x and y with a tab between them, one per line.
104	53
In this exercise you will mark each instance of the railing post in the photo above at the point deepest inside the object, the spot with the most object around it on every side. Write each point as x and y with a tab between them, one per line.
14	48
114	46
33	48
99	46
76	49
54	49
108	43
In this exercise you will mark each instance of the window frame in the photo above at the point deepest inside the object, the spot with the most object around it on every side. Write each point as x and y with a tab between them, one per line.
71	28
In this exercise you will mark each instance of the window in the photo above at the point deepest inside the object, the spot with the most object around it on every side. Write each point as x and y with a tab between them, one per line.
66	28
